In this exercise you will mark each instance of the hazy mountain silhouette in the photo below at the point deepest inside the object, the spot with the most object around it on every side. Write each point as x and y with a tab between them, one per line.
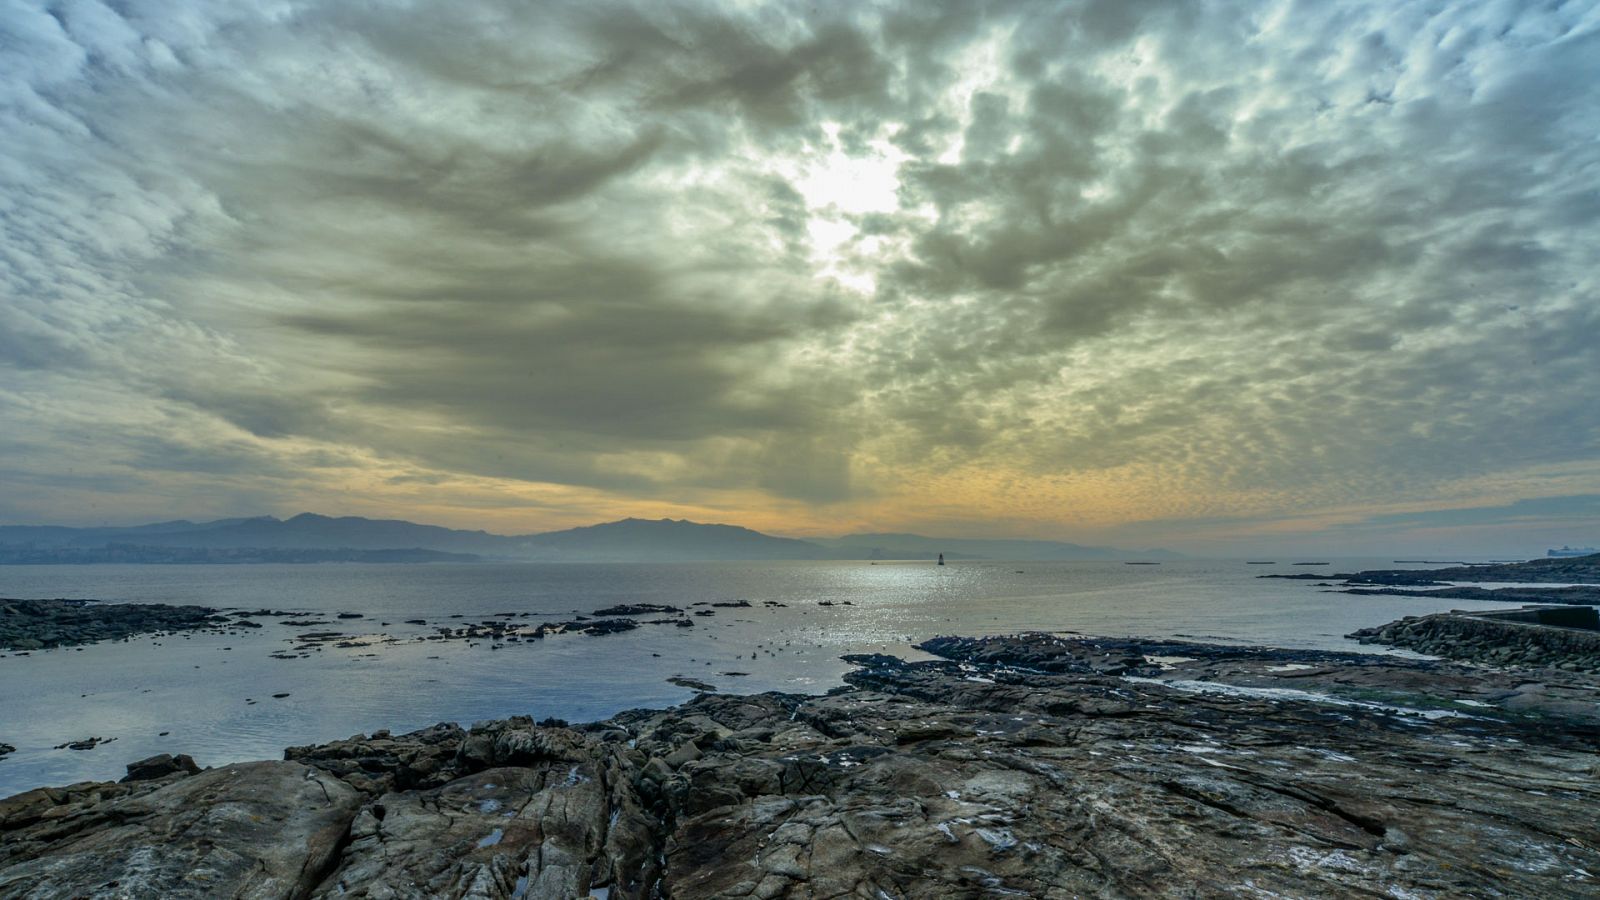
625	540
303	532
664	539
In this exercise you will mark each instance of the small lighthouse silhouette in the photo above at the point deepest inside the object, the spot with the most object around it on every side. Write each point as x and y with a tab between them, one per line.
941	559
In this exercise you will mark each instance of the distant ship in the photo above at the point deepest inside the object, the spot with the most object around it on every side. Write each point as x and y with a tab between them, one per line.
1260	562
1571	551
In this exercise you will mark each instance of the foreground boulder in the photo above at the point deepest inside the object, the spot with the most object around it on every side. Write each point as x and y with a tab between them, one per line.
264	829
1035	766
160	766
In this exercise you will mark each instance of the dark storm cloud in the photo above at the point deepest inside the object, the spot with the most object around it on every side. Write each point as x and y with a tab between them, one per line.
1269	255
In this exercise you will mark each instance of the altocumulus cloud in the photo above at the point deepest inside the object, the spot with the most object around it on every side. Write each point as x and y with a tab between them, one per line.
1055	267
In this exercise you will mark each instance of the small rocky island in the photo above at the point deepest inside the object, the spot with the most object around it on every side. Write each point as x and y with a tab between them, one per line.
1574	580
1029	766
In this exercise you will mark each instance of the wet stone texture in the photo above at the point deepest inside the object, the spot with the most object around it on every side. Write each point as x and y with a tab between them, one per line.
1037	766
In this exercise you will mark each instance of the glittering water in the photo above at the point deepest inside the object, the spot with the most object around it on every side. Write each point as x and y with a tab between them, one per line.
196	688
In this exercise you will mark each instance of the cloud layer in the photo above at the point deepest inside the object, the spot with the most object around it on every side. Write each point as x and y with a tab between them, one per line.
1172	271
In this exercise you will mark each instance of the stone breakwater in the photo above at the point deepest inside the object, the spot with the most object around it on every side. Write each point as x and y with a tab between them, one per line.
1492	640
1036	766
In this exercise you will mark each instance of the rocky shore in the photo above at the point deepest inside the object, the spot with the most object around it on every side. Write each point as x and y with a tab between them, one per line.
28	625
1574	581
1577	595
1559	570
1037	766
1528	638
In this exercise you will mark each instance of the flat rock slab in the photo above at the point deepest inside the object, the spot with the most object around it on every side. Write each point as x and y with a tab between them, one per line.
252	830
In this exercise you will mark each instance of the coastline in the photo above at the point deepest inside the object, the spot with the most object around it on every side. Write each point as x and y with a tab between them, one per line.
327	666
1037	765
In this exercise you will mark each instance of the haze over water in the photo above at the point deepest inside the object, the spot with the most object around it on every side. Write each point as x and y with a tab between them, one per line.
196	687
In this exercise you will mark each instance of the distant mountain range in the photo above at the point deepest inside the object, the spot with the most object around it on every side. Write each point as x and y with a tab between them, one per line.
313	538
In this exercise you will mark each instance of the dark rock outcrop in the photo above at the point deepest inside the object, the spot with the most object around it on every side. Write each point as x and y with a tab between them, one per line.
160	766
1580	595
383	763
1492	640
635	609
1565	570
37	624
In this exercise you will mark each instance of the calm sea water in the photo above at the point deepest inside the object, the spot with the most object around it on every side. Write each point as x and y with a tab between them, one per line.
196	688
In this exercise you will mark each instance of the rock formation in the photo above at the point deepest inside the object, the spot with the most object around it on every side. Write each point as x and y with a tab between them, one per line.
36	624
1036	766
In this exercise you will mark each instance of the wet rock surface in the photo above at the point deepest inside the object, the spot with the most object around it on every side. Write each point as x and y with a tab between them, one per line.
88	743
1491	641
636	609
693	684
1040	765
37	624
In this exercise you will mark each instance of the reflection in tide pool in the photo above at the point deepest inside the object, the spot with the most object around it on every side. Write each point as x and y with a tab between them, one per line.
212	696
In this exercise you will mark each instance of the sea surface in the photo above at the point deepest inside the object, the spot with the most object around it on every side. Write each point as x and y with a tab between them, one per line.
191	693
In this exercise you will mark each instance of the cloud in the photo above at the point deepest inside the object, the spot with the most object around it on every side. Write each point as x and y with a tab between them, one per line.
1092	264
1574	509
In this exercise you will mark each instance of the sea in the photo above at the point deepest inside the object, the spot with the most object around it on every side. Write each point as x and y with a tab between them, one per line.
212	695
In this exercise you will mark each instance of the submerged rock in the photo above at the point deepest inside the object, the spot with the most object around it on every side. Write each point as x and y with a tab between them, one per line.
88	743
636	609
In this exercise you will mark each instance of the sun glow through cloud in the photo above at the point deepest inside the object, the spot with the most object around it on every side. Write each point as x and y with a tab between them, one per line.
838	188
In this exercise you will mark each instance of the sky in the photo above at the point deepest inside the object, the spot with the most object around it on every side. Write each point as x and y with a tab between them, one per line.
1217	276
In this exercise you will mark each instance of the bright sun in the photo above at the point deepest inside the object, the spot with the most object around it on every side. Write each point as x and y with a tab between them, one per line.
839	188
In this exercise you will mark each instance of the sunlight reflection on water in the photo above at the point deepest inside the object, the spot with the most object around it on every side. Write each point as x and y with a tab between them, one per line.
197	691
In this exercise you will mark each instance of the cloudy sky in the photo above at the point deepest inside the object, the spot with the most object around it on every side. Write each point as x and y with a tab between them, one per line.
1210	275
